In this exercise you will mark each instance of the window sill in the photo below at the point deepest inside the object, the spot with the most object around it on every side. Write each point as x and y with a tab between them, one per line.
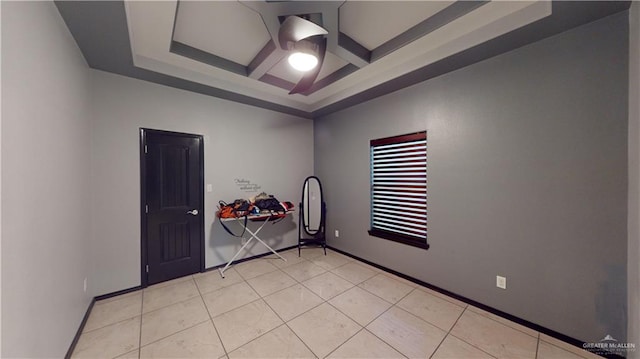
399	238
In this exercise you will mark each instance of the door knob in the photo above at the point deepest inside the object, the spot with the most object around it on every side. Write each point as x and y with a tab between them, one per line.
193	212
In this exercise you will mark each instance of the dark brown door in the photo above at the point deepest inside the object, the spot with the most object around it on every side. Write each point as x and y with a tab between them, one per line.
173	191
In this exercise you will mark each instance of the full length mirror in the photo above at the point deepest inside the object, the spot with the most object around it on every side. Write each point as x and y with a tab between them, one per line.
312	205
312	215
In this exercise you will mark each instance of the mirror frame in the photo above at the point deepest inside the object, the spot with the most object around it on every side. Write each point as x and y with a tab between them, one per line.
305	206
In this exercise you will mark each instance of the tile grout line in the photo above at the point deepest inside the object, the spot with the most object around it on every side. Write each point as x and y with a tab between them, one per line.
441	296
300	339
110	324
415	316
261	274
224	349
466	308
316	275
371	321
362	327
448	332
306	286
466	305
583	353
392	304
167	306
162	285
308	310
140	332
566	349
464	341
343	343
285	323
180	301
382	340
142	308
381	314
179	331
268	305
266	295
324	301
472	345
499	322
118	298
231	310
356	284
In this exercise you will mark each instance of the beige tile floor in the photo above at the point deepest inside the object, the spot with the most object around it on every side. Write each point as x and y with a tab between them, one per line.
314	306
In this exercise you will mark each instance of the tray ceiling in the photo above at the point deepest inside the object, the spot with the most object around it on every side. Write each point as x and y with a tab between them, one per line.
229	49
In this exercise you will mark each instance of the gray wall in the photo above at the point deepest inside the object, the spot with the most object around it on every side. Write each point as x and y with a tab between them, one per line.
527	161
527	178
270	149
45	182
634	179
70	175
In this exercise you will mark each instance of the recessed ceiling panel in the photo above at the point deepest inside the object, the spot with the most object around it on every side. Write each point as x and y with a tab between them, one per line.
372	23
226	29
150	26
284	71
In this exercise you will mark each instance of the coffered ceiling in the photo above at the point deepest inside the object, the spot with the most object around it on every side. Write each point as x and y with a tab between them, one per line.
229	49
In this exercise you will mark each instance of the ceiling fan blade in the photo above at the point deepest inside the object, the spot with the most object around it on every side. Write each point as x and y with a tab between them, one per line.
295	28
310	77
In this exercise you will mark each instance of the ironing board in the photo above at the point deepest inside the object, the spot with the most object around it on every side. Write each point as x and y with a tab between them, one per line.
264	218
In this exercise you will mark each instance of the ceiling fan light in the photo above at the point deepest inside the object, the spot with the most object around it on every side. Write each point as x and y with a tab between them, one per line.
303	61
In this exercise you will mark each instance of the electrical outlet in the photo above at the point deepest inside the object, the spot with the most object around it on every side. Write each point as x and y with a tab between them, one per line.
85	285
501	282
337	233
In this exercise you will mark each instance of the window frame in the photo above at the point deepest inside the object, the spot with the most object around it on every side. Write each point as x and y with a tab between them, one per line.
415	241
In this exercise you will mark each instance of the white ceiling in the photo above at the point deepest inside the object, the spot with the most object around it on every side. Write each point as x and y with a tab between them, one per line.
235	31
221	27
372	23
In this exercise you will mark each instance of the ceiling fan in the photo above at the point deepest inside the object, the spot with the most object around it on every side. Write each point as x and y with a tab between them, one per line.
307	45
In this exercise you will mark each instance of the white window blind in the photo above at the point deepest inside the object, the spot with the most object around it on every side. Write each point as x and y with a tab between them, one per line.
399	187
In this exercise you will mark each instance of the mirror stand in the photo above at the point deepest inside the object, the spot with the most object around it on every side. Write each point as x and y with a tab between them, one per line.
311	216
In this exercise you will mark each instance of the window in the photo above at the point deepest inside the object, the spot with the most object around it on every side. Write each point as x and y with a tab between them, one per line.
399	189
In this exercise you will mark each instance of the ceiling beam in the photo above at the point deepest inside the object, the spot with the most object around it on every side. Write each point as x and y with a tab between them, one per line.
331	22
193	53
345	43
267	58
438	20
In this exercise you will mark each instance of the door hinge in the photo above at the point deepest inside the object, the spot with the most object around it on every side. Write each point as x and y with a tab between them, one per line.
145	149
147	268
146	208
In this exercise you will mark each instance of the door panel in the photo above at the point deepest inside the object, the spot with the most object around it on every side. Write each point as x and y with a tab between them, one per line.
174	181
174	241
174	192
